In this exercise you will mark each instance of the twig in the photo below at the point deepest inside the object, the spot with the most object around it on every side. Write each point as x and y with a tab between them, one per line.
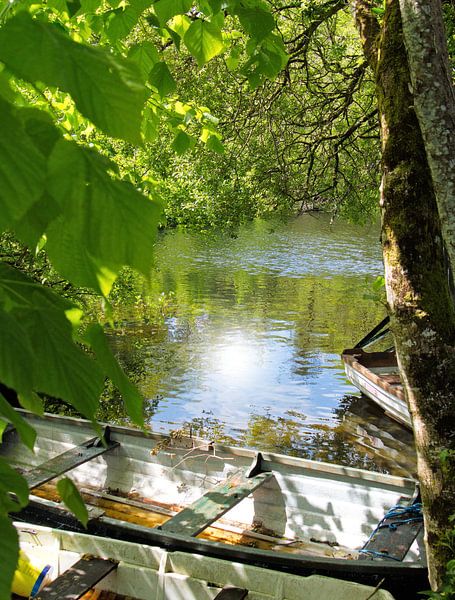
375	589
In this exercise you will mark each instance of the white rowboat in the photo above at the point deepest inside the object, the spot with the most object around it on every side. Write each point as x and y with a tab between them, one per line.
143	572
283	512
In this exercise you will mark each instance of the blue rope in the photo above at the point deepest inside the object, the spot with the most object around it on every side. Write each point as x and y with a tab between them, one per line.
414	513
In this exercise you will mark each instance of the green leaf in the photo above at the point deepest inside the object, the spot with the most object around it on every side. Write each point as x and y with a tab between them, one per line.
133	400
106	89
9	551
166	9
22	168
257	22
15	352
3	426
72	499
204	40
182	142
180	24
213	143
6	92
33	224
74	376
232	61
150	125
110	219
218	19
161	79
25	431
120	22
145	55
40	128
32	402
11	482
215	5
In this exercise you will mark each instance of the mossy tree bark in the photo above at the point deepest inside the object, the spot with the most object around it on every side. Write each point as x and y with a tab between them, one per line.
434	101
421	309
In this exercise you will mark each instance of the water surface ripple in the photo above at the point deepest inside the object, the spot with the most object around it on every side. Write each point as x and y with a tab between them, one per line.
249	352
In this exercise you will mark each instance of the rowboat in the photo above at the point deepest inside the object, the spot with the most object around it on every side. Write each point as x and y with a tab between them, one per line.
185	494
85	566
376	374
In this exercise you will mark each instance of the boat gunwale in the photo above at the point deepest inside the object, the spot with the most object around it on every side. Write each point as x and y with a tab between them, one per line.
268	457
353	356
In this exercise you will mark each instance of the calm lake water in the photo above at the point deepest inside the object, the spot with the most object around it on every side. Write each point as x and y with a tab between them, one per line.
249	349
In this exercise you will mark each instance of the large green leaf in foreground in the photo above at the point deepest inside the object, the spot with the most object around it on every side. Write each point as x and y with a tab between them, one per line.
22	168
106	89
106	223
57	366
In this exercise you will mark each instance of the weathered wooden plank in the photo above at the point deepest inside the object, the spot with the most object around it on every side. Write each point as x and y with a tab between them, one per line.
231	593
68	460
394	536
78	580
214	504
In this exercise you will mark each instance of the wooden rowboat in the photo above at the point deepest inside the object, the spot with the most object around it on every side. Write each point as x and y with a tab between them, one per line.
376	375
90	567
183	494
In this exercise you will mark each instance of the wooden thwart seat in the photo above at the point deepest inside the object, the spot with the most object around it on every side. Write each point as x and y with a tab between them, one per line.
78	580
216	502
69	460
231	593
394	536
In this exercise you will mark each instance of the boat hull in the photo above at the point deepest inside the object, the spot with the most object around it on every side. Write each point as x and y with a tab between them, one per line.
303	508
369	372
153	573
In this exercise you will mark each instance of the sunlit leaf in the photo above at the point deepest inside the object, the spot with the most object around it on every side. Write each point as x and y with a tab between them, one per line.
105	216
123	18
24	429
203	40
166	9
73	375
133	400
180	24
9	551
145	55
3	426
72	499
60	367
106	89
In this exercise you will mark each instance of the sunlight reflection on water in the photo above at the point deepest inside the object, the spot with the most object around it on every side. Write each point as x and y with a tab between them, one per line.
250	352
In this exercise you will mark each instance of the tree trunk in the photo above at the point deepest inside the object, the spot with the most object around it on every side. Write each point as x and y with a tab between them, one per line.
422	313
434	102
